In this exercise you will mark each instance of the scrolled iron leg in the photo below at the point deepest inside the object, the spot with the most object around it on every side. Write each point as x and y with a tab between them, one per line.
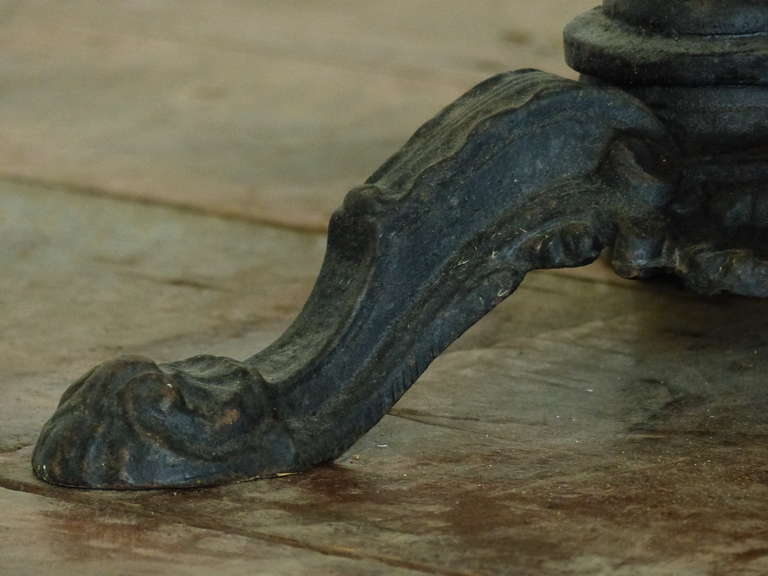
525	171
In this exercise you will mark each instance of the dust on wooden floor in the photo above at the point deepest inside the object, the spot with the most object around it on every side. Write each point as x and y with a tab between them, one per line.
166	173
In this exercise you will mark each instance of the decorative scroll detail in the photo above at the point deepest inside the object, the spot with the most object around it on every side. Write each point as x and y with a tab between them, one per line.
525	171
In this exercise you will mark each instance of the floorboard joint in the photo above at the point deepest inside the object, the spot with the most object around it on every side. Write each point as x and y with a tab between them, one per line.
101	192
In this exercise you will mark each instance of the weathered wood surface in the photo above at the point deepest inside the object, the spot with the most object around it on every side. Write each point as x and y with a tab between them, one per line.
263	110
587	426
70	538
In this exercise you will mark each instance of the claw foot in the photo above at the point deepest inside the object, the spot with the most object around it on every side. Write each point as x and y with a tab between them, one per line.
131	423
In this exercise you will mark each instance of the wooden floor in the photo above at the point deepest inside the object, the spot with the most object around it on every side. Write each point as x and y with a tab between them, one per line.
166	172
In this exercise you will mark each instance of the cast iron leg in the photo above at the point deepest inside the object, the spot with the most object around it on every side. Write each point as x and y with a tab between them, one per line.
525	171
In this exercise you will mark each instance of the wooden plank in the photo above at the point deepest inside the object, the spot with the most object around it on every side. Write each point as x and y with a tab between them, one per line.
267	111
234	134
41	535
438	39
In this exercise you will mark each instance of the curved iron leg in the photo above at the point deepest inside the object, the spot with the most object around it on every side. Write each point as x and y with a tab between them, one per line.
525	171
